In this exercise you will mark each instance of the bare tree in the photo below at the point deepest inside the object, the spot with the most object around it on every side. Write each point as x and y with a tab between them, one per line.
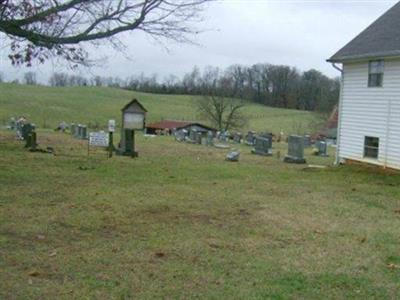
1	77
30	78
98	81
77	80
59	79
223	112
40	29
191	81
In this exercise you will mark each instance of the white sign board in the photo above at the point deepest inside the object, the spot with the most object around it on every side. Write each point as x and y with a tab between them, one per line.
133	121
98	139
111	125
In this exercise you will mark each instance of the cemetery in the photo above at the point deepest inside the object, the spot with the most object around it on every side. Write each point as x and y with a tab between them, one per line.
198	210
124	175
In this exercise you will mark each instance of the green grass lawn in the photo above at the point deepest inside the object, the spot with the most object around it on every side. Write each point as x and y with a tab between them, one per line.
179	222
47	107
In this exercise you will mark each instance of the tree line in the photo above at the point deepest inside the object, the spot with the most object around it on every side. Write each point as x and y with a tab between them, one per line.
267	84
272	85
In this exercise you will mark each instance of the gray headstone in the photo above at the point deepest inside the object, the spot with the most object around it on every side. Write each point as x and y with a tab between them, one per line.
31	141
62	126
263	146
233	156
78	132
307	141
72	128
322	147
210	138
237	137
84	132
26	130
267	136
19	124
250	138
295	150
223	136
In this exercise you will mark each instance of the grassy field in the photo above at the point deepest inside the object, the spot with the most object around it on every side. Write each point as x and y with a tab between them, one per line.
47	107
180	223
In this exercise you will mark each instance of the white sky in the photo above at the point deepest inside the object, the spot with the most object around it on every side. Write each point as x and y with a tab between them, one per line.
298	33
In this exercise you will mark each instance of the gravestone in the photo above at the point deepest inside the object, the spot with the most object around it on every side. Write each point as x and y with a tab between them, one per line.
223	137
322	148
268	136
83	135
307	141
233	156
237	137
263	146
19	124
78	131
250	138
31	141
228	136
26	130
210	138
62	126
72	128
295	150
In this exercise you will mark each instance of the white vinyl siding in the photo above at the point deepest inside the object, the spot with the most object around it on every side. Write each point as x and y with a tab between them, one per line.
371	111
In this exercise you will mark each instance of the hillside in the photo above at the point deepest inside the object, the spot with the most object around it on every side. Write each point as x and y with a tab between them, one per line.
48	106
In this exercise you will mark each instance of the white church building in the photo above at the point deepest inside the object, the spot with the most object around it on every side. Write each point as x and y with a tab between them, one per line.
369	106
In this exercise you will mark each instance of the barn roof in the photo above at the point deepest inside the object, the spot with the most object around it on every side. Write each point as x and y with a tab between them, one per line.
171	124
381	39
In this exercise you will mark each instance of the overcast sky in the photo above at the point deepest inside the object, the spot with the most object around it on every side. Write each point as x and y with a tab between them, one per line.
298	33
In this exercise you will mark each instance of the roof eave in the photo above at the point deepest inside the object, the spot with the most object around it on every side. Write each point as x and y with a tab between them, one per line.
364	57
137	102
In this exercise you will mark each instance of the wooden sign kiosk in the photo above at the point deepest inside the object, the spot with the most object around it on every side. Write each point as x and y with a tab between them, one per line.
133	118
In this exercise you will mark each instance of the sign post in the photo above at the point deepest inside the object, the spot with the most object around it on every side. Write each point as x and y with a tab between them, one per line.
111	130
